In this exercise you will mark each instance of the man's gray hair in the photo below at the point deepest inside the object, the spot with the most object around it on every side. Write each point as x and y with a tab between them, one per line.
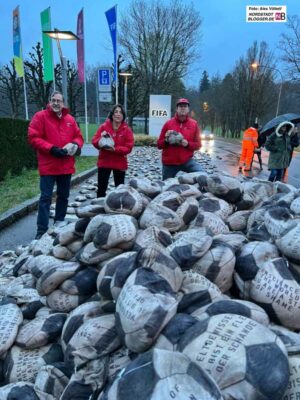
54	93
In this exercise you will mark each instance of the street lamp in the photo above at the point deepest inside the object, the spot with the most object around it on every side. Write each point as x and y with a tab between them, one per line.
255	66
62	35
126	75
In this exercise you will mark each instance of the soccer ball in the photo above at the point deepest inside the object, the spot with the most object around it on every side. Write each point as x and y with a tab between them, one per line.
160	374
246	359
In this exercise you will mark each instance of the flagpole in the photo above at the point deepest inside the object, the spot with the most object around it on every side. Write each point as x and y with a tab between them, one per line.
25	97
54	84
85	94
21	53
116	60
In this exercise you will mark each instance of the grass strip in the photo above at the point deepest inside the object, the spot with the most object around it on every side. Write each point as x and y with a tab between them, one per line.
16	189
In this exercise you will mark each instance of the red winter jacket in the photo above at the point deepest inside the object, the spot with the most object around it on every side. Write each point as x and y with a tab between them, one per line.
124	142
177	155
46	130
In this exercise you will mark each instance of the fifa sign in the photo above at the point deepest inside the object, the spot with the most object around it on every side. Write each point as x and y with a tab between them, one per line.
159	112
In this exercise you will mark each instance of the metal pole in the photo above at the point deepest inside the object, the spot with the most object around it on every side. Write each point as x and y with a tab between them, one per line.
63	64
116	62
97	102
64	80
125	95
279	96
25	97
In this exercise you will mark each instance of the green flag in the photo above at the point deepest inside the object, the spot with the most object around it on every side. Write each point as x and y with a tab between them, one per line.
47	46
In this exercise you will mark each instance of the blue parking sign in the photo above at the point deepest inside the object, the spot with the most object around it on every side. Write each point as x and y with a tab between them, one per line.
104	79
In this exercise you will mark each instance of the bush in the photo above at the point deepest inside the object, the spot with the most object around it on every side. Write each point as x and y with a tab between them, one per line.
145	140
16	153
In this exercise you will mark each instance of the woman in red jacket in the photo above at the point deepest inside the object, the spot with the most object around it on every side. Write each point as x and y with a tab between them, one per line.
113	156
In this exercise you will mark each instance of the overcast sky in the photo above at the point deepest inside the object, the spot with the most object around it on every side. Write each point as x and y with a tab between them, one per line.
226	35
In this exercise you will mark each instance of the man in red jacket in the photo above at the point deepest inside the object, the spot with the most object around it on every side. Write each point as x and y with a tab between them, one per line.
179	138
56	137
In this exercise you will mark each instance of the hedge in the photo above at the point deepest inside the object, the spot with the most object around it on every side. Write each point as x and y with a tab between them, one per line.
16	154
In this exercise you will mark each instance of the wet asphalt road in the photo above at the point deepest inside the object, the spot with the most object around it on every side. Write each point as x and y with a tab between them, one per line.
219	153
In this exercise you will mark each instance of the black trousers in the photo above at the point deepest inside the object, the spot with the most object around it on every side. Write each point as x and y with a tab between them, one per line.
103	178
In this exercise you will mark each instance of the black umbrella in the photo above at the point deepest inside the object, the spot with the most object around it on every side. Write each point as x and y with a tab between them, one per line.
270	126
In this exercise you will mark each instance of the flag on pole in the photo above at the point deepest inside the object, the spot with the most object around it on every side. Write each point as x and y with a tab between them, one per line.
47	46
80	47
111	16
18	59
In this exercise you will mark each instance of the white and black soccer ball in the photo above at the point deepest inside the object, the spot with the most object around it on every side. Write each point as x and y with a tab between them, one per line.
210	220
275	289
277	220
124	200
41	331
144	307
215	205
159	374
196	292
289	243
189	246
249	259
83	283
114	273
224	187
246	359
233	306
21	364
217	265
51	380
77	317
146	186
150	236
295	206
173	332
95	338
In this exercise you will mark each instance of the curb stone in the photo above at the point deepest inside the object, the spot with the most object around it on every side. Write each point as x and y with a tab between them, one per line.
25	208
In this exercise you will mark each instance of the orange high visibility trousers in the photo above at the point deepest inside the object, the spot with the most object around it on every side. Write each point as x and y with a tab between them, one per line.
248	144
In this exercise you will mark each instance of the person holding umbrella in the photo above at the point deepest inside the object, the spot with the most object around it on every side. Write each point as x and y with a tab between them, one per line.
294	143
279	146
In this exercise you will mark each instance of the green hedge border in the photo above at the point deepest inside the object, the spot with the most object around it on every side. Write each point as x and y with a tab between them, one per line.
16	154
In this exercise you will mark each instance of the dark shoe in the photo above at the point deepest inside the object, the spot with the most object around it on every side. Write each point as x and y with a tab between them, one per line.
38	235
240	168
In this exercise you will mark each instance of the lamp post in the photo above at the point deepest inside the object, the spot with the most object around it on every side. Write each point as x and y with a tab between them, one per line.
126	75
255	66
58	36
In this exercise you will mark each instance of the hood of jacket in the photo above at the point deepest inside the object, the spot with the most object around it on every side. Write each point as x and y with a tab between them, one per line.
289	131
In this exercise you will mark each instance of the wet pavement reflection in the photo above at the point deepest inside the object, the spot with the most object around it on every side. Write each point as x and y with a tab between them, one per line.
225	157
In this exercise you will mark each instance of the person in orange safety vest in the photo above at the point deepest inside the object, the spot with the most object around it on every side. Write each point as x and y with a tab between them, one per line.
249	143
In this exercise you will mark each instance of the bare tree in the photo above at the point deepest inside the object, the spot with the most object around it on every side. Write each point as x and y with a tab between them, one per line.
12	86
160	41
74	88
38	90
290	46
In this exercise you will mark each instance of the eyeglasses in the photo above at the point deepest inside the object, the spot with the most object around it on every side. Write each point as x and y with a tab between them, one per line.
182	105
56	101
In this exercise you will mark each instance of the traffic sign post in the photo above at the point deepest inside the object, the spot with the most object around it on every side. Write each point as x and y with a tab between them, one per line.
104	84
